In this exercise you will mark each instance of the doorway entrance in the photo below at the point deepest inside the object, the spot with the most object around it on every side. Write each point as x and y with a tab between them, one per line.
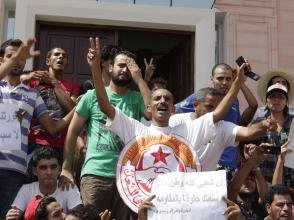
173	51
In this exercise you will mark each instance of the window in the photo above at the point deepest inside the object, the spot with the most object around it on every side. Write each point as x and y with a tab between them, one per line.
10	24
219	36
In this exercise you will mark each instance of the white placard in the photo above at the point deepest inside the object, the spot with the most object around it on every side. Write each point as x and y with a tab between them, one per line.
189	196
289	159
10	135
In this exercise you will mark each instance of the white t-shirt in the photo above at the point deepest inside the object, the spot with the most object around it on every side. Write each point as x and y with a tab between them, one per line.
68	199
210	154
197	133
180	118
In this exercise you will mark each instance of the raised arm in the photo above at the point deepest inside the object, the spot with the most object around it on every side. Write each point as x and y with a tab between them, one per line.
93	59
256	158
256	130
226	103
66	102
141	83
149	69
23	53
279	169
249	112
76	125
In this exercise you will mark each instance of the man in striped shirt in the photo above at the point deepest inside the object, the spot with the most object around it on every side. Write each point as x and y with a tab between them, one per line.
13	55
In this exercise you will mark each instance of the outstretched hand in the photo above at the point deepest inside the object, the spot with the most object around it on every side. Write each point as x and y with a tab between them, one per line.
144	206
24	51
149	69
285	150
134	69
270	124
233	211
66	180
93	56
240	72
105	215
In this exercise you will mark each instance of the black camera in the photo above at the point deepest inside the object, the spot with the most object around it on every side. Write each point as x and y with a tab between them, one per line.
247	70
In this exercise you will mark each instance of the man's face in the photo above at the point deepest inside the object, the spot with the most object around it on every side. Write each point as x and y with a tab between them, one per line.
161	106
58	60
55	211
120	73
222	79
280	208
106	66
208	104
17	69
47	171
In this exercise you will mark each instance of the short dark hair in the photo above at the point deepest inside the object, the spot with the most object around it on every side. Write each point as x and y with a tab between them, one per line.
44	153
277	190
157	80
41	211
49	53
88	212
203	92
126	53
223	66
109	51
86	85
10	42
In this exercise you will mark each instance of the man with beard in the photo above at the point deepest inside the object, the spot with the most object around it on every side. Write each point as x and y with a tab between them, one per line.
59	96
13	55
159	142
98	186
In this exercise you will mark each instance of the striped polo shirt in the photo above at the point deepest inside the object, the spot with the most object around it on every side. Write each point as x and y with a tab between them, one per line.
29	100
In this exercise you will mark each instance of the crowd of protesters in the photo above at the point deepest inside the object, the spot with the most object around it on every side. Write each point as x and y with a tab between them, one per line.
72	135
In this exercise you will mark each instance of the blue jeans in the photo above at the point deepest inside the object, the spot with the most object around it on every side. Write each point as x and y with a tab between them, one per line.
10	183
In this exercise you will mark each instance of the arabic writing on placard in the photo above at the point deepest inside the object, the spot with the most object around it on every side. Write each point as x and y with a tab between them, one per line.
195	195
10	136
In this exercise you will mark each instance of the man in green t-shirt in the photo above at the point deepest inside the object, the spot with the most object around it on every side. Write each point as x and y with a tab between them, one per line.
98	185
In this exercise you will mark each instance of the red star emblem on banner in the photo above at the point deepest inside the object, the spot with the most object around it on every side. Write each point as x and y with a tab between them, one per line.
160	156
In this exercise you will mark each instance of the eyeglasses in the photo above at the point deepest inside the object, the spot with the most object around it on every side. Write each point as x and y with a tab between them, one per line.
45	167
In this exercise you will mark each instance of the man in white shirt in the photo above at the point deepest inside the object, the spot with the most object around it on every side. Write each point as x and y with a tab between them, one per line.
47	169
206	100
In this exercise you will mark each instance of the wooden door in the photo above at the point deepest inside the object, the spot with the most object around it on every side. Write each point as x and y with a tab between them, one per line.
75	40
180	67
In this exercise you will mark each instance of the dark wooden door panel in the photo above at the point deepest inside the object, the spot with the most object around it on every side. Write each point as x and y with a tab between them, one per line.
75	40
173	51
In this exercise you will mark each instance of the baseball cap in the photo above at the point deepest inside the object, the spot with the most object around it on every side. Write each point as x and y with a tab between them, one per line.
32	207
277	86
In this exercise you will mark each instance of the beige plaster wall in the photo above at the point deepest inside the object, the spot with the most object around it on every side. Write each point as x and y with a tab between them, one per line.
260	30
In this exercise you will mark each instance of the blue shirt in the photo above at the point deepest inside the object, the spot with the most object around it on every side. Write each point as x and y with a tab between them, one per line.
229	157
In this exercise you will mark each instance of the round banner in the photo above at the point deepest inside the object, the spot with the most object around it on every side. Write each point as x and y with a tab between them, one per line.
146	157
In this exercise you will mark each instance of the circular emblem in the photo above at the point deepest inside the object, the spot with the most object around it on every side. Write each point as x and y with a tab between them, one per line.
146	157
